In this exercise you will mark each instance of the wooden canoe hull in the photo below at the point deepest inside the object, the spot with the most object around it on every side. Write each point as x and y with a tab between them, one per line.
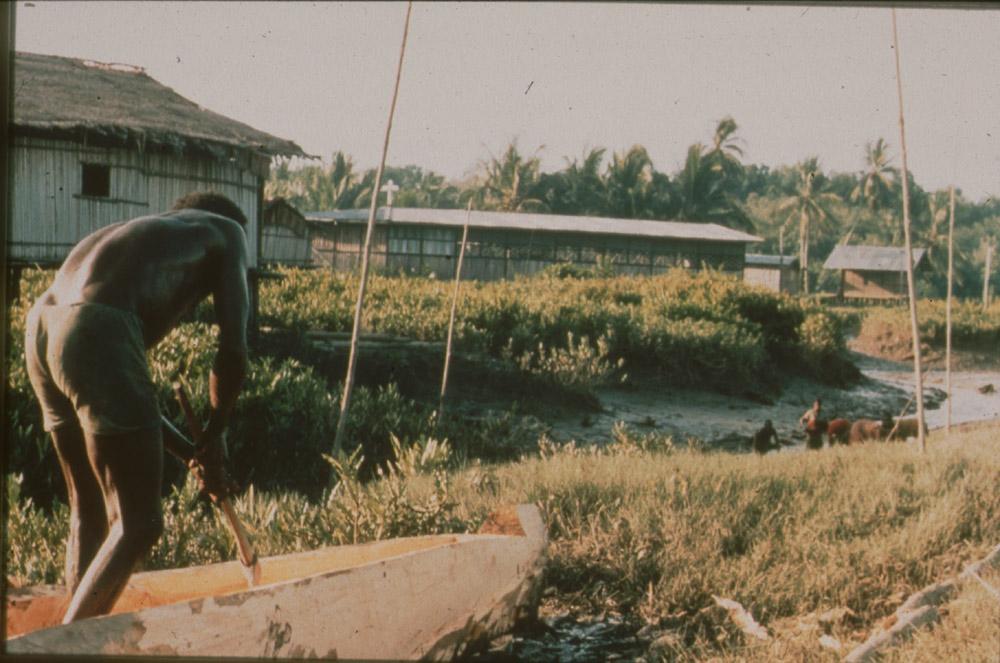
426	598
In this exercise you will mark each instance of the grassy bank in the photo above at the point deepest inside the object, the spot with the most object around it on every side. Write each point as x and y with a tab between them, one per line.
651	532
887	329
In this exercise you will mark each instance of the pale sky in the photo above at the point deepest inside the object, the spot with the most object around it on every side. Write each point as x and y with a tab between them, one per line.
561	78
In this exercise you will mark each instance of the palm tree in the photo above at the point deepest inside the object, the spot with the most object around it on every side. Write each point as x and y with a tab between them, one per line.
585	188
809	205
627	183
576	189
703	193
876	193
726	153
933	235
876	188
509	183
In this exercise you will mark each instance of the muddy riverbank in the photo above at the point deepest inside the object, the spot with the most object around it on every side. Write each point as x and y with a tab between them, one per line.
723	421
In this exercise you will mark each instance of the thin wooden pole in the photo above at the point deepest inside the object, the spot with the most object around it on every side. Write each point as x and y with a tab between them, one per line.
345	401
986	273
947	333
454	308
910	285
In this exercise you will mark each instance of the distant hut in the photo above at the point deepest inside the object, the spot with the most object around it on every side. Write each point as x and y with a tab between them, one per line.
872	272
97	143
286	237
507	244
774	272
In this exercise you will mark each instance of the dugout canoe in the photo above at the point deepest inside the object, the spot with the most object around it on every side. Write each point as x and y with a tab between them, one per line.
428	597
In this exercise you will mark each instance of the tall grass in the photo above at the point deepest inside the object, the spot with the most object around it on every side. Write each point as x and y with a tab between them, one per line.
651	531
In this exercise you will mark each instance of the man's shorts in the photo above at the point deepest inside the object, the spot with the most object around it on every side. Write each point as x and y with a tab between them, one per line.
87	363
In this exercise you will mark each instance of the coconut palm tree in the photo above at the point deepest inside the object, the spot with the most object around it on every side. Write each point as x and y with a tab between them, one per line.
578	188
725	153
810	206
703	193
876	190
627	184
509	183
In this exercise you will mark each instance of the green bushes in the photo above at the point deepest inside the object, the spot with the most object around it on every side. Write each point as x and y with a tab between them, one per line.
693	329
972	327
705	327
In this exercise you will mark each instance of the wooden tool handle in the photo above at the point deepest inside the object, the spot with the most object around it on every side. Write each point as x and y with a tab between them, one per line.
189	415
248	556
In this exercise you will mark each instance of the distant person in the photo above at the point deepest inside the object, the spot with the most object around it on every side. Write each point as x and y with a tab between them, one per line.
813	425
120	291
765	439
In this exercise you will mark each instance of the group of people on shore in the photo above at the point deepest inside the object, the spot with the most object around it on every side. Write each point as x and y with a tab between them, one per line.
837	430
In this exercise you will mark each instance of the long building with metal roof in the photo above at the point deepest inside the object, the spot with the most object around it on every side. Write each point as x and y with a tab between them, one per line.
507	244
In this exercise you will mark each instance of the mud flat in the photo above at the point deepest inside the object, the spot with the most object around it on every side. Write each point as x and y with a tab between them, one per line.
727	421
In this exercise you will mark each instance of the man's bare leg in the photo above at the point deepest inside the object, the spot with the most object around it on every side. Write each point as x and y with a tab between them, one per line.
129	468
88	522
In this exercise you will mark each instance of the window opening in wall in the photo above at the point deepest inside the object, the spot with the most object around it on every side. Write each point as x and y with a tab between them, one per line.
96	180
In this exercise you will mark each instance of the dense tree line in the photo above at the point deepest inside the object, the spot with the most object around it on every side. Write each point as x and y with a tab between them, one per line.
799	209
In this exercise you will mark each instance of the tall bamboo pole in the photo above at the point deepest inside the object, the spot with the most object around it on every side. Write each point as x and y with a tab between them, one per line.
345	401
986	273
917	374
947	333
454	308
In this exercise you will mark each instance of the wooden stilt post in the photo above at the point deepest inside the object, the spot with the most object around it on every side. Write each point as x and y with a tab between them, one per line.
345	401
454	308
910	285
947	333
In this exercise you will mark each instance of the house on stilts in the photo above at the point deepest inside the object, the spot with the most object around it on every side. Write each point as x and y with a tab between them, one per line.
872	272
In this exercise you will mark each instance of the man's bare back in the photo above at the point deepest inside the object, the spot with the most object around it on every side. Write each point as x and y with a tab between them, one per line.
119	292
158	267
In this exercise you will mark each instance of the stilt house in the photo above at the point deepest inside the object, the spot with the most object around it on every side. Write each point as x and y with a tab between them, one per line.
872	272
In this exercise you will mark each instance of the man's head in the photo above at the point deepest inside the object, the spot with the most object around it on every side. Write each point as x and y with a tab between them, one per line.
210	201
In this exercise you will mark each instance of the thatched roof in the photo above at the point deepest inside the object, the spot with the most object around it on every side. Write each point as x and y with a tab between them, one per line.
121	104
871	258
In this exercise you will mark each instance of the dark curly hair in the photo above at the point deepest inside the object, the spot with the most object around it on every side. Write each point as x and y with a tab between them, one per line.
211	201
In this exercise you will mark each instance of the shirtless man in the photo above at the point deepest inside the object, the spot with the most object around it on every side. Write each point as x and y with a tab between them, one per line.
118	293
814	426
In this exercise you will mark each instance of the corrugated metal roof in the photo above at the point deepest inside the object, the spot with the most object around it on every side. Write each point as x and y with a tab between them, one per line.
872	258
765	260
545	222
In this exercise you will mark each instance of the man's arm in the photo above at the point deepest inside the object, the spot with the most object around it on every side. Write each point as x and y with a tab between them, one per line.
232	310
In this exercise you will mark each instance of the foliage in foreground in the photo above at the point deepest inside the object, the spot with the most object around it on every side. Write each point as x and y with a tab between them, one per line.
651	530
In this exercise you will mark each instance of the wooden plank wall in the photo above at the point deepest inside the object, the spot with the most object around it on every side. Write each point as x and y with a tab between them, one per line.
50	216
494	253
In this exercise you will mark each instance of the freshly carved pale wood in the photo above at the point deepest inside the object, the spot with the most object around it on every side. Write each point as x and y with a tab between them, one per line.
431	597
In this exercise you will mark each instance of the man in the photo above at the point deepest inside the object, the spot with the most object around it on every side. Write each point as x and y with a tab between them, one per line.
814	426
765	439
118	293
